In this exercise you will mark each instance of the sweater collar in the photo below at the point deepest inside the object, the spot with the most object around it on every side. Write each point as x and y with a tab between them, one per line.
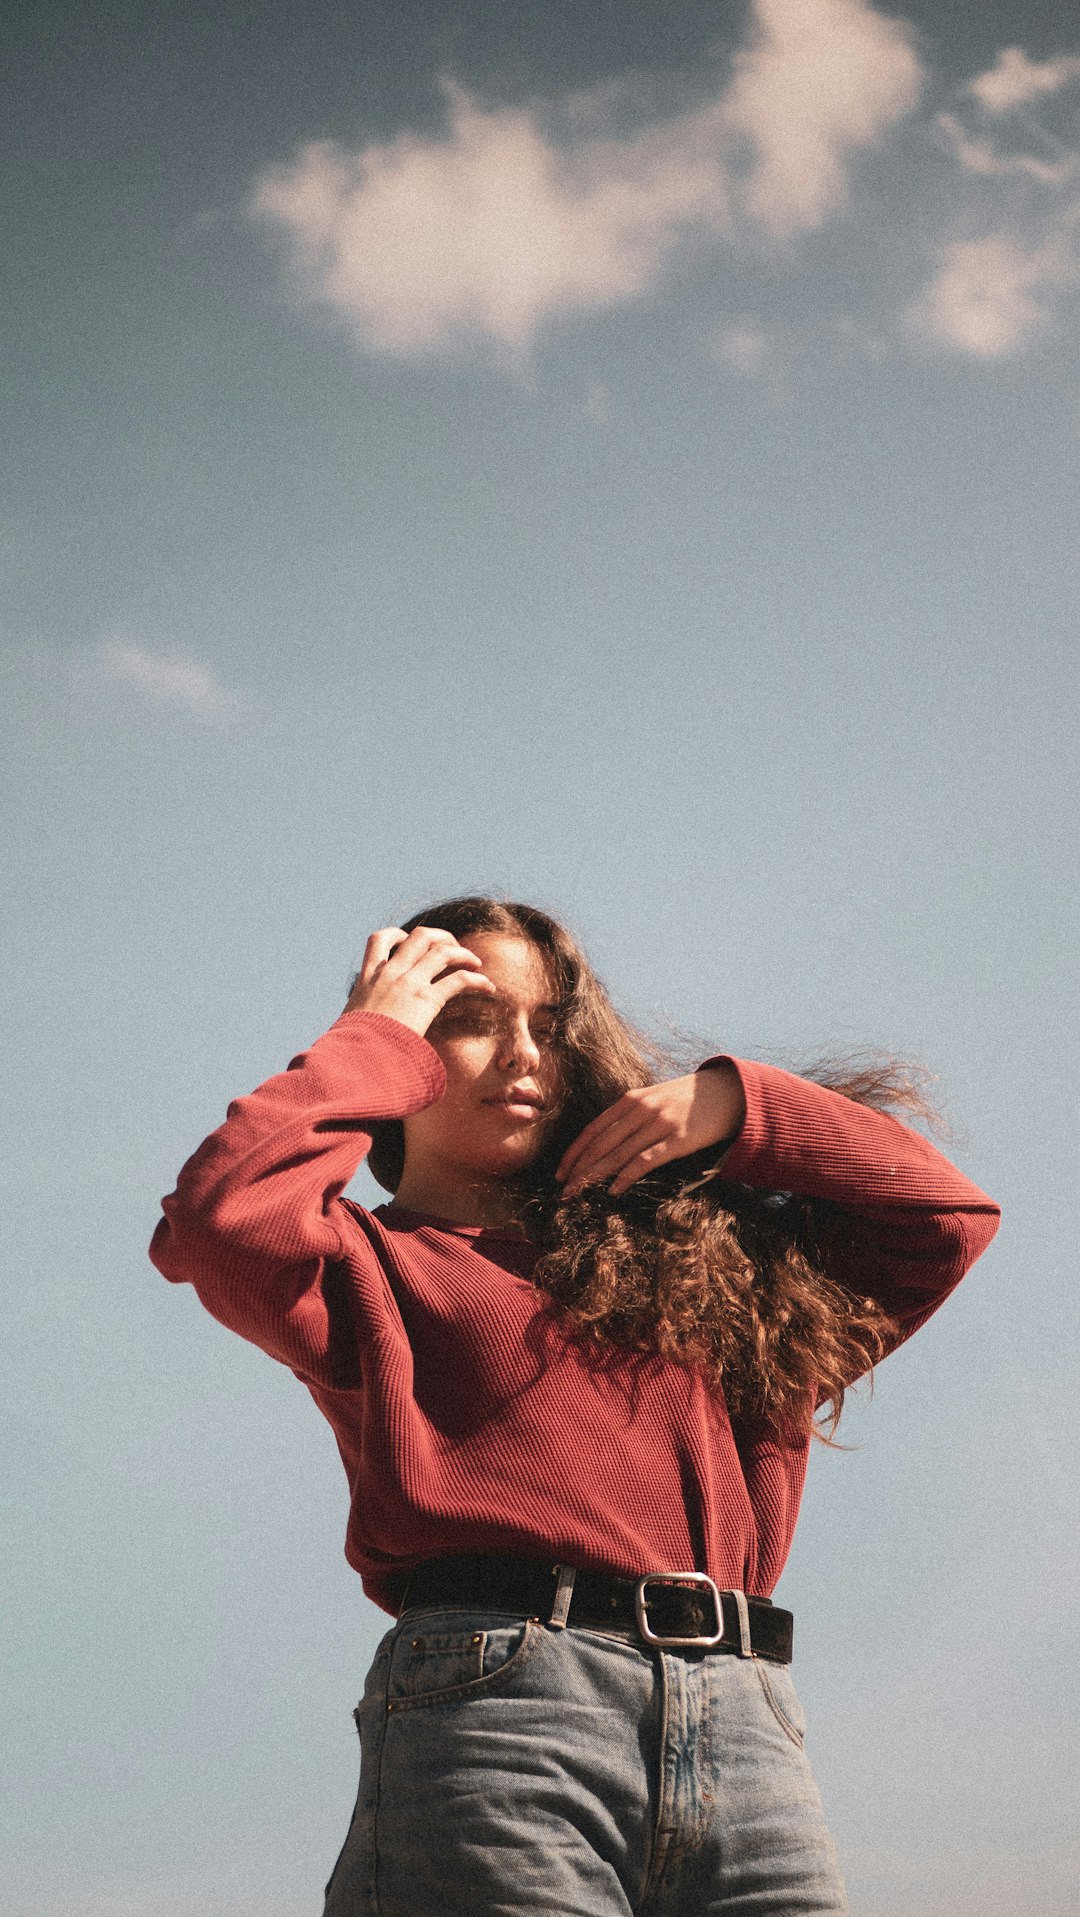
400	1218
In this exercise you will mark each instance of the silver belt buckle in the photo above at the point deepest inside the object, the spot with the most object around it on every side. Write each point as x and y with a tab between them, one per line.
700	1582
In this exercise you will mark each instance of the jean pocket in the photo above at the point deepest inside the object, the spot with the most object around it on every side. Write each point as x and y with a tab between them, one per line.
782	1699
435	1665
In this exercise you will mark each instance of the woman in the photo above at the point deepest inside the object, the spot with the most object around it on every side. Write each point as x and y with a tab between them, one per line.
572	1370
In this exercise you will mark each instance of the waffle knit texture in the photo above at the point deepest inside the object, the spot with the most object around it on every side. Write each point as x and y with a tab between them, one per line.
468	1417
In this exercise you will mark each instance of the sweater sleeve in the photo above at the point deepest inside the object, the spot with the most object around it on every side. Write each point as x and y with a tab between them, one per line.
917	1224
256	1216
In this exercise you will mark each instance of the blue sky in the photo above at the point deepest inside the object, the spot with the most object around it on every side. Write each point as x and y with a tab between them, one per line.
625	457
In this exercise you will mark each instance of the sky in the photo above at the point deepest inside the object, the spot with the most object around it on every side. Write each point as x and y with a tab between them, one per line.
620	456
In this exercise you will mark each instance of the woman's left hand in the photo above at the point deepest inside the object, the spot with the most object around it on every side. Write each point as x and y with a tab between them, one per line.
652	1125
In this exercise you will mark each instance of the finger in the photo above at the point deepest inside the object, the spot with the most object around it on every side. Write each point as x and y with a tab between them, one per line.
607	1155
619	1121
457	982
445	958
616	1118
378	950
421	940
610	1163
645	1161
428	934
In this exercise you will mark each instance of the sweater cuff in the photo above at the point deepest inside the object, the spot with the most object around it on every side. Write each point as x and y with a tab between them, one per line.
752	1133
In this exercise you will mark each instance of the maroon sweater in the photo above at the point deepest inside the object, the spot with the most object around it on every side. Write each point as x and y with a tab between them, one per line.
467	1416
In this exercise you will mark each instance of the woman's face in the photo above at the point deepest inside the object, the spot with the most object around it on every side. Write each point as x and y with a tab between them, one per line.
503	1079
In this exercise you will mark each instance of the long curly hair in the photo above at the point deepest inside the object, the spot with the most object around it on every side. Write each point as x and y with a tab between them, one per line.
686	1265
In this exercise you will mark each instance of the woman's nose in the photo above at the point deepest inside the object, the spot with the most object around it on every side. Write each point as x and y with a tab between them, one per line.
520	1050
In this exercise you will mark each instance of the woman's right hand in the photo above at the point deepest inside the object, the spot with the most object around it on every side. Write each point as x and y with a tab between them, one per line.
411	976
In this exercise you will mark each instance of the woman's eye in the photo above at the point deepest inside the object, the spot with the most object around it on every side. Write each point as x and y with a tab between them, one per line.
482	1020
479	1020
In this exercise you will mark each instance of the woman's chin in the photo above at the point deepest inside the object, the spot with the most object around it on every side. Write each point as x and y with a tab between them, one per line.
508	1158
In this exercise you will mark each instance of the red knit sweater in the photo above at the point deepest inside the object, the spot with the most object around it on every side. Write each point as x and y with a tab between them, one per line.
466	1417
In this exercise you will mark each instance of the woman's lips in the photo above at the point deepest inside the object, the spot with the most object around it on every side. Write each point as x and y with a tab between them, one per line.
517	1104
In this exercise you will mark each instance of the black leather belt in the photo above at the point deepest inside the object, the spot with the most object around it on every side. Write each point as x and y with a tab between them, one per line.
671	1609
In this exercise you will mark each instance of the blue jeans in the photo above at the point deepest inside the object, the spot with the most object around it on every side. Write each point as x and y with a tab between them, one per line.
510	1769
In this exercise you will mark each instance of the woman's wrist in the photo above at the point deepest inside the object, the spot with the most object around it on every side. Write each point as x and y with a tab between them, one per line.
731	1097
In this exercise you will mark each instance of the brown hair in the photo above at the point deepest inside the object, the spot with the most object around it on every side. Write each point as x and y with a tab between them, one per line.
685	1264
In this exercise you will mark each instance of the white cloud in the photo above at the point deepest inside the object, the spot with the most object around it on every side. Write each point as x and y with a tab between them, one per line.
983	298
492	229
487	231
1015	81
513	217
819	81
167	678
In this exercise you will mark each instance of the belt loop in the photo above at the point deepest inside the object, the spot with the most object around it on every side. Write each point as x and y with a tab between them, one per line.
564	1591
742	1607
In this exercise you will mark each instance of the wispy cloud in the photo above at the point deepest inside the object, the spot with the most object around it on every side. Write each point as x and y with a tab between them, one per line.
980	155
167	678
497	227
995	289
1015	81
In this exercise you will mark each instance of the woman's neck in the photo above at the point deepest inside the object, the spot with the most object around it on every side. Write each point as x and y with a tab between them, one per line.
473	1201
